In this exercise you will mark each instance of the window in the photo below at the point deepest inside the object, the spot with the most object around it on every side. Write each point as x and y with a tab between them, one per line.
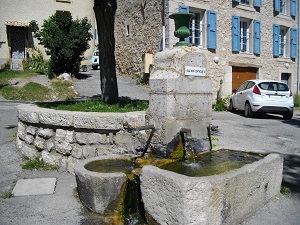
284	41
286	7
245	2
246	35
255	3
197	27
285	78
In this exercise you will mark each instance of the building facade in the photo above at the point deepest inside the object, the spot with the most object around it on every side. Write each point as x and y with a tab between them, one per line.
242	39
15	16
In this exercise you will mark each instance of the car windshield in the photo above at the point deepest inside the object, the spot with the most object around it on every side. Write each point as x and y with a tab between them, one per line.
273	86
96	53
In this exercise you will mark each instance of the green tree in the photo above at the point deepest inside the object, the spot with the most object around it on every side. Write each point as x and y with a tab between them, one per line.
66	40
105	16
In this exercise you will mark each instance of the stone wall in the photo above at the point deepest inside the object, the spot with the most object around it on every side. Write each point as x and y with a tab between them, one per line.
64	137
137	30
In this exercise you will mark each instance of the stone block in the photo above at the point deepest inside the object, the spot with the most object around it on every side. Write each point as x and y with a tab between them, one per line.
29	139
28	113
21	130
31	130
45	133
101	121
39	143
89	138
88	151
29	152
56	117
64	141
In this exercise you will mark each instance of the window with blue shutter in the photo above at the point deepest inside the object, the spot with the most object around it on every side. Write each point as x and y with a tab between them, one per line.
185	9
293	8
276	33
256	37
239	1
211	29
257	3
277	6
293	43
236	39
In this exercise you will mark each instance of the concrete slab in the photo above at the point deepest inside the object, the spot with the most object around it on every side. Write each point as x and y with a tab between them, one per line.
40	186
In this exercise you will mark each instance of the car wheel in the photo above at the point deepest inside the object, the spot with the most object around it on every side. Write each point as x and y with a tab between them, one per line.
231	108
84	69
288	116
248	111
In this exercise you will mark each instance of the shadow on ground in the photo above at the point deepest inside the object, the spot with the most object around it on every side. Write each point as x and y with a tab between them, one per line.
291	172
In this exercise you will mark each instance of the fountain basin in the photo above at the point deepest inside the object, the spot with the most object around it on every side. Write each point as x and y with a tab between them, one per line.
99	192
228	198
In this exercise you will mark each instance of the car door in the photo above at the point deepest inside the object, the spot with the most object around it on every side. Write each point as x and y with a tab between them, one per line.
241	95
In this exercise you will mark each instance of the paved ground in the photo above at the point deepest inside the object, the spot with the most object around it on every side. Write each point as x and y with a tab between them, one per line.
63	207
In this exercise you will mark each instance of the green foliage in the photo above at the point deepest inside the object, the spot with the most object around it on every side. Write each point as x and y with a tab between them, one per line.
36	61
66	39
36	164
29	92
285	190
7	195
297	100
98	106
222	104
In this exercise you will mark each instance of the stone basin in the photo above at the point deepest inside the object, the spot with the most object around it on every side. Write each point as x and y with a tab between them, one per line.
172	198
228	198
99	191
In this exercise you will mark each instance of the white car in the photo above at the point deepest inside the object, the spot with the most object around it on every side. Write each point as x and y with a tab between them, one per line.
95	60
263	96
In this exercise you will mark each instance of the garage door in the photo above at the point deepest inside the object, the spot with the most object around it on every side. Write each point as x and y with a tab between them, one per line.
241	74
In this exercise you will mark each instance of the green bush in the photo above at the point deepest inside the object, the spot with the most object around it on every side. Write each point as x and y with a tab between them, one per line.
297	100
222	104
66	40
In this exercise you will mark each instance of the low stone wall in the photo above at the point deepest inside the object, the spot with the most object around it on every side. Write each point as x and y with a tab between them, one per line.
64	137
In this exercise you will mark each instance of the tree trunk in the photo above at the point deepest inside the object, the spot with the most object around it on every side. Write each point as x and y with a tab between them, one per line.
105	16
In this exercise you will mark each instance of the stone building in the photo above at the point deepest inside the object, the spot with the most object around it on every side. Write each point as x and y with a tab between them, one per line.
15	16
242	39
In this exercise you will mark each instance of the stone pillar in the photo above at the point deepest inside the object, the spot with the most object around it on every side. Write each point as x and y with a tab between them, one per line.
180	95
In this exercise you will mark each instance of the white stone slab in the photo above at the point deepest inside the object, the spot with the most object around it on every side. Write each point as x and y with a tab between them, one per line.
40	186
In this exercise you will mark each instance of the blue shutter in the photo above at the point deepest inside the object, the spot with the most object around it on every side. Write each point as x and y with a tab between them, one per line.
256	37
185	9
236	36
277	6
293	7
239	1
257	3
293	43
211	29
276	33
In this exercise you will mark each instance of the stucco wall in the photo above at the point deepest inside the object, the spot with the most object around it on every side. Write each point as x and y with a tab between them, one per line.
18	10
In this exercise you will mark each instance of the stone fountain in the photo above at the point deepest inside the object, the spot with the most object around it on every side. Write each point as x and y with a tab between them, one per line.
181	102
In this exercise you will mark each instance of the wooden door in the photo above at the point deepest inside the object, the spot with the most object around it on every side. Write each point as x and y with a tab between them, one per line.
241	74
